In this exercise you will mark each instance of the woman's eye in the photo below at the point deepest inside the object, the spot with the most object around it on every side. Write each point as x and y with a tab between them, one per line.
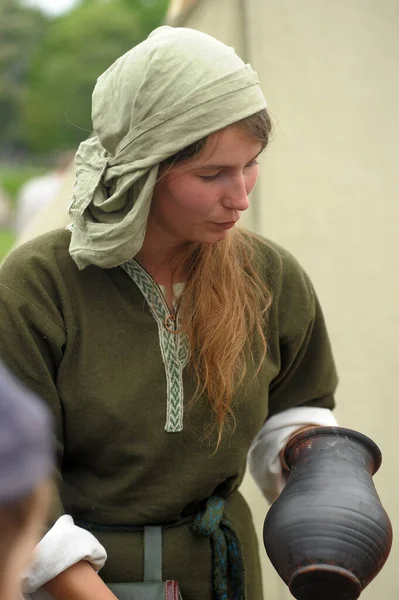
210	177
217	175
253	163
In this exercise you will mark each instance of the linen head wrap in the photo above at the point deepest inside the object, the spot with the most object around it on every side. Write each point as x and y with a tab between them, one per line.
170	91
26	448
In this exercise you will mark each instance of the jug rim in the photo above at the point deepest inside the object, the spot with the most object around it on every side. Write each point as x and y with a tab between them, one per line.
342	432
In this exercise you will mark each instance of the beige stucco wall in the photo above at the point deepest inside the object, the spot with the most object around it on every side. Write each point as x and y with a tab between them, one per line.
329	192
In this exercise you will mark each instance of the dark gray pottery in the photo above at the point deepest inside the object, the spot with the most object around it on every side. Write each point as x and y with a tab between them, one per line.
327	534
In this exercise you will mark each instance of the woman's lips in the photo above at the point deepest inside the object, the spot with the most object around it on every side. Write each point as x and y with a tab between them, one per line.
227	225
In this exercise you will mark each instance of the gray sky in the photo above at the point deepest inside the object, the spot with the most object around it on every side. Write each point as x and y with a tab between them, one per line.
51	7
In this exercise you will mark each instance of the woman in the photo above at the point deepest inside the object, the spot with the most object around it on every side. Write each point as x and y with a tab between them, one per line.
165	340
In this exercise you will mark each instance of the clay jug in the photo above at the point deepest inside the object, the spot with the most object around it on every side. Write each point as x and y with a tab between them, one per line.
327	534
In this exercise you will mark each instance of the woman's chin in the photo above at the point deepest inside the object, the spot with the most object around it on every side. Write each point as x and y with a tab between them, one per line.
209	237
214	239
215	236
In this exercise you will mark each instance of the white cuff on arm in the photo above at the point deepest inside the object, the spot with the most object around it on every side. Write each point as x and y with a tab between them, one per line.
264	454
64	545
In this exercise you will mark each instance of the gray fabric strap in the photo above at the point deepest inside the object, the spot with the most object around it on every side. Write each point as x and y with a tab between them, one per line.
152	553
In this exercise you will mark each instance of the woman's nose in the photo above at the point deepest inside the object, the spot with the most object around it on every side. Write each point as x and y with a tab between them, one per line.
236	195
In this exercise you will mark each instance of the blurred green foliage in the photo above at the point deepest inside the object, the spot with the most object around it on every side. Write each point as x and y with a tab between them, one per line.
14	176
21	31
49	66
76	49
7	238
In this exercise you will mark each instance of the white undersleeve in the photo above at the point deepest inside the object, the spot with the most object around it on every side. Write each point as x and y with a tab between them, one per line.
64	545
264	454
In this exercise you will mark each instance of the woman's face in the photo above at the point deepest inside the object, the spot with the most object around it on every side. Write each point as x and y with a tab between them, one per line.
201	198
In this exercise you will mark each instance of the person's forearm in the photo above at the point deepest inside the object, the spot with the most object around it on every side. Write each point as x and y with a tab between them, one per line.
79	582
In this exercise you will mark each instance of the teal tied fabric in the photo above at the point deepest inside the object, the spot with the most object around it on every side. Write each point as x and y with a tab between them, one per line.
228	562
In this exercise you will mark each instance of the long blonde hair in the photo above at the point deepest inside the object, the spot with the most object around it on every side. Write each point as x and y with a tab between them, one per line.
224	306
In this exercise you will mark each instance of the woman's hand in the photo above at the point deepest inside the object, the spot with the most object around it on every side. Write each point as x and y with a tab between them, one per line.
79	582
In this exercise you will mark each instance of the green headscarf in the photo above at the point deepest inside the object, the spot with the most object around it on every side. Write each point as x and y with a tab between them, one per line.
173	89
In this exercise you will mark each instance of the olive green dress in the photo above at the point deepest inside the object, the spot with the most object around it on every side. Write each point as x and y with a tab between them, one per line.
131	451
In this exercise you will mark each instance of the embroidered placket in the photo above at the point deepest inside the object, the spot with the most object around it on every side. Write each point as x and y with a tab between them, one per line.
174	348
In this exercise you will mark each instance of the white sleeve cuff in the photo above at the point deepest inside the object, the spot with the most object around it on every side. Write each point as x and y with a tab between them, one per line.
264	454
64	545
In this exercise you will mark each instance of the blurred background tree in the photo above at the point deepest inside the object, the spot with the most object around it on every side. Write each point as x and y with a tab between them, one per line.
21	31
75	50
48	68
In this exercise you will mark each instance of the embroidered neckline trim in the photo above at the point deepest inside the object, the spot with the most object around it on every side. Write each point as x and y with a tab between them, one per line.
174	348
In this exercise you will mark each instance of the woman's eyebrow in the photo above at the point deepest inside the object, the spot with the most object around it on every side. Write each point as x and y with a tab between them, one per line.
210	167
